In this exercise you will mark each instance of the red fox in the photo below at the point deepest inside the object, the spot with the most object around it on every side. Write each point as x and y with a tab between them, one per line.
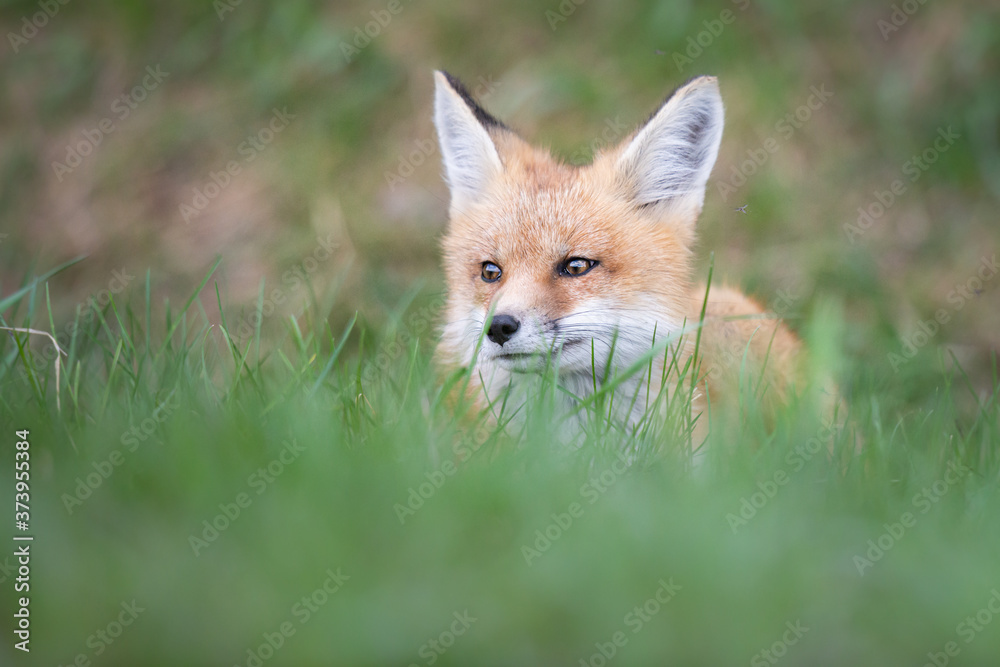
587	267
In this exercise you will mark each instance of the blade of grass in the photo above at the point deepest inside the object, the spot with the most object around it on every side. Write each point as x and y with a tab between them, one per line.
187	304
334	356
10	300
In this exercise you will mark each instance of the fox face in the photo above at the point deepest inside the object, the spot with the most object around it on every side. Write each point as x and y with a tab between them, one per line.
579	268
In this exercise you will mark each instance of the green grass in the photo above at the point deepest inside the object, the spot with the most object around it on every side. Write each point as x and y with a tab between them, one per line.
339	363
338	453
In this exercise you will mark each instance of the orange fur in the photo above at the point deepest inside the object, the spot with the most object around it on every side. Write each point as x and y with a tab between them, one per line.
535	212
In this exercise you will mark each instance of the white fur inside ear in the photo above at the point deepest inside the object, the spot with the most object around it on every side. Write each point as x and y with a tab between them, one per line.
668	162
469	154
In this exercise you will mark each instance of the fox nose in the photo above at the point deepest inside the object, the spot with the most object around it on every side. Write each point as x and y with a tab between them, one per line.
502	328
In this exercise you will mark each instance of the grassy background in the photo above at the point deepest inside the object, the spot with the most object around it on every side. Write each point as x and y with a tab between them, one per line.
312	233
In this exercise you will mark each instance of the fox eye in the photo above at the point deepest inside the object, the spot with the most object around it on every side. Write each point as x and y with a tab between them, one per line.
491	272
577	266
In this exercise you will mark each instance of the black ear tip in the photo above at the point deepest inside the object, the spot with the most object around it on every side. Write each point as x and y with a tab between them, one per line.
481	114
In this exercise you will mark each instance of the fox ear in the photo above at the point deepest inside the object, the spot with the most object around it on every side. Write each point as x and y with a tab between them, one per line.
667	162
470	155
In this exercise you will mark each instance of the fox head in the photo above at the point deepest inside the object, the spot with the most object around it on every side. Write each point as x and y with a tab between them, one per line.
551	263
